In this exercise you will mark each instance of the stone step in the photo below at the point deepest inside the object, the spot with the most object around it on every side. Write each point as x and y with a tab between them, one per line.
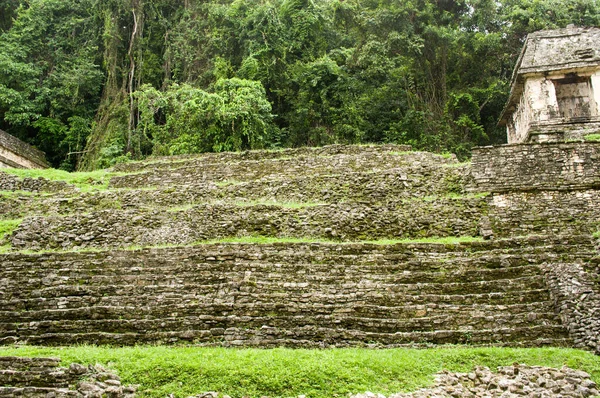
32	364
260	308
251	170
232	157
289	256
217	324
31	378
45	379
313	275
314	337
223	301
250	285
203	261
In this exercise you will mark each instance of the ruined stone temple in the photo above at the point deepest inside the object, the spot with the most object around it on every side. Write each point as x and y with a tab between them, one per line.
375	245
15	153
555	91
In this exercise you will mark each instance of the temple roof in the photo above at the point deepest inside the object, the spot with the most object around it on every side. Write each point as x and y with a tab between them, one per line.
569	49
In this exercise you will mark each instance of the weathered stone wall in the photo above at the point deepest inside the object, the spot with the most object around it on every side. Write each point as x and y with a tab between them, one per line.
193	170
390	186
287	294
10	182
577	300
16	153
545	212
550	189
530	167
344	221
43	378
234	157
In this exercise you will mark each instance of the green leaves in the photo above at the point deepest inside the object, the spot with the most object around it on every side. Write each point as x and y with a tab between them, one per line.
185	119
237	74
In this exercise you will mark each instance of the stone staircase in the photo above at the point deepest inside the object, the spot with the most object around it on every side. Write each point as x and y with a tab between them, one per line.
293	294
153	258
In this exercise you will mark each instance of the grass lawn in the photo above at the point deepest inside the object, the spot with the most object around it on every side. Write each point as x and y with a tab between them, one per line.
281	372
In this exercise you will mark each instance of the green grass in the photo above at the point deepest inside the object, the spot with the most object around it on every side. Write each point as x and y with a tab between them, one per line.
446	155
14	194
592	137
184	371
6	228
225	183
596	235
85	181
265	240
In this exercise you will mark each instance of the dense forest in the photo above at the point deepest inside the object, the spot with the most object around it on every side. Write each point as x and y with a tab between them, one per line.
95	82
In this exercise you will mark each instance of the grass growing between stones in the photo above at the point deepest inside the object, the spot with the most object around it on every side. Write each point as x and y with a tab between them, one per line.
265	240
281	372
85	181
15	194
450	240
286	205
6	228
249	203
452	195
592	137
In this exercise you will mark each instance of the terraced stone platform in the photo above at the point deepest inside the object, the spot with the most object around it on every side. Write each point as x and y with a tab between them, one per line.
369	246
288	294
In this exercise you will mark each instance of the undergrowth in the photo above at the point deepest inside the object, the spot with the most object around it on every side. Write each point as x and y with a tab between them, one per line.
281	372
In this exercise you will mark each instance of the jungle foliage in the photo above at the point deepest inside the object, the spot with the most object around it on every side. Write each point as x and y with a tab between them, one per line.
95	82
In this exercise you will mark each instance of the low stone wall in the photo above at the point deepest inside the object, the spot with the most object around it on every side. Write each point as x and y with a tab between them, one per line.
308	295
9	182
200	160
345	221
280	168
527	167
43	378
16	153
544	212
